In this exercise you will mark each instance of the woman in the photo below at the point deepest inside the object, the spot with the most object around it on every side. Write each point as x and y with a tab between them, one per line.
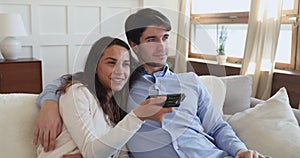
92	102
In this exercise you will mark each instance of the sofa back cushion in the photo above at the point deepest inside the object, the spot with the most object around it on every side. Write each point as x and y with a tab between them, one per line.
238	93
18	113
217	90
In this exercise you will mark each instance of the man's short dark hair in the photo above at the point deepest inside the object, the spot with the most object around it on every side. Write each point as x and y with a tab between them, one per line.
136	23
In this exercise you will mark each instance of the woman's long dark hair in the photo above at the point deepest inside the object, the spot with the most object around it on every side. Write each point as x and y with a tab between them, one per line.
114	106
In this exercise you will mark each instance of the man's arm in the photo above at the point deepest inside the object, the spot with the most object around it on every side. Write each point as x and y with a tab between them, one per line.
49	123
49	92
215	126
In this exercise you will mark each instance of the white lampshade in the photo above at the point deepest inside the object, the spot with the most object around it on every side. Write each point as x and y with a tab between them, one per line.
11	25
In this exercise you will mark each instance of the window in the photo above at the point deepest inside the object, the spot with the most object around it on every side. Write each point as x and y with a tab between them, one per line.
207	17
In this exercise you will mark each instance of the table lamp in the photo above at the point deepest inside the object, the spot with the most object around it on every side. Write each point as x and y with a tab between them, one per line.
11	25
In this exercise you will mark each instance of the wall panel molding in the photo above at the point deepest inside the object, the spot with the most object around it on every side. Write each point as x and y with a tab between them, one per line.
61	32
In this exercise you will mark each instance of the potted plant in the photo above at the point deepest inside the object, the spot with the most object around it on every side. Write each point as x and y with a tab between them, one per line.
222	37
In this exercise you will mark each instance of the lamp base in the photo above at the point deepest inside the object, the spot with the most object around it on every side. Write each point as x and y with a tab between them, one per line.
10	48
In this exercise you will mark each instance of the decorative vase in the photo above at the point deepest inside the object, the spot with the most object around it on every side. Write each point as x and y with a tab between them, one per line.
221	59
10	48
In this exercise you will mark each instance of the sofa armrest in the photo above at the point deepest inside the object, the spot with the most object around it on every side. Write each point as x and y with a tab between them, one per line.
18	113
297	114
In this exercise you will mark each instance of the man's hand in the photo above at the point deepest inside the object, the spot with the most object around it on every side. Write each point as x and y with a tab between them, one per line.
150	109
73	156
48	125
250	154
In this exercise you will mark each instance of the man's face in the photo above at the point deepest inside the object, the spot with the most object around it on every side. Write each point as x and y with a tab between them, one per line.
153	48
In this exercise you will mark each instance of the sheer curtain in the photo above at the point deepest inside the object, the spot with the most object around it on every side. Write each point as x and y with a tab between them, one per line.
261	45
182	42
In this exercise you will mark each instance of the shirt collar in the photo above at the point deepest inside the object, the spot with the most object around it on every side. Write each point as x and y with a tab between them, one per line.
165	71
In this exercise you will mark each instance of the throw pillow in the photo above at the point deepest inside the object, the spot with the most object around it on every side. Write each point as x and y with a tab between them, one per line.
270	128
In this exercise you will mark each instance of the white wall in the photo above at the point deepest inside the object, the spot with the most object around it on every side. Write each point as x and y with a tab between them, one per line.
170	9
60	32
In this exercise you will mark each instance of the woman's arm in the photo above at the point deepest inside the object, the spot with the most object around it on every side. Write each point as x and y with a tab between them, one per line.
87	126
123	153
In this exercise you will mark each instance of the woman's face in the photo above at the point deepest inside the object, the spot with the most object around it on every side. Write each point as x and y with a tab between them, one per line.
114	67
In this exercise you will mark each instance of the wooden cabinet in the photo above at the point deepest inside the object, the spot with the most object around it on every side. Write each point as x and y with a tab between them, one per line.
21	76
291	83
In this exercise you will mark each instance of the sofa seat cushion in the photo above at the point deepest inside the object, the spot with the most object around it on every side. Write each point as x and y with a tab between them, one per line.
17	123
270	127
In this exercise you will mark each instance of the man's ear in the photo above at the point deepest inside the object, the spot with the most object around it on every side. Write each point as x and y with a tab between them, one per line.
133	45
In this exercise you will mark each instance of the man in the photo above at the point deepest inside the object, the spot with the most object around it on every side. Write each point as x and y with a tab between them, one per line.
195	129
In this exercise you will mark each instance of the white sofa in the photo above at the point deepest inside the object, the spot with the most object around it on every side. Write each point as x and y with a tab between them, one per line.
231	95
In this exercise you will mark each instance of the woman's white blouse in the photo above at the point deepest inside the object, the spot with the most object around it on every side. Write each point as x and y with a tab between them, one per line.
86	129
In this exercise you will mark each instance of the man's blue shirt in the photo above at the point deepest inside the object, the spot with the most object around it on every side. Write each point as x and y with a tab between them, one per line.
195	129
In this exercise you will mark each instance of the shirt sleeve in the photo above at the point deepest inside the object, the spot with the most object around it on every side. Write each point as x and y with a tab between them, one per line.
221	132
76	108
49	92
122	153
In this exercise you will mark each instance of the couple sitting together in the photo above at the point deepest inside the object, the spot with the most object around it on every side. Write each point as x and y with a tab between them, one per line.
104	110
